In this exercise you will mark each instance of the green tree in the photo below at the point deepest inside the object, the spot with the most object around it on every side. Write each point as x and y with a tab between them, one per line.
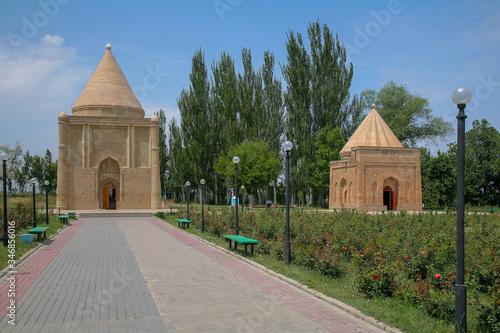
176	160
194	105
162	143
14	163
328	145
257	167
317	95
482	164
439	178
408	115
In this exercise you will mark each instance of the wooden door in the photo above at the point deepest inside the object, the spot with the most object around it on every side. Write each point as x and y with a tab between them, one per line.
106	190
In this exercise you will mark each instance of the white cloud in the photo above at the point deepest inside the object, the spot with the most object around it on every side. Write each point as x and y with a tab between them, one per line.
37	82
54	40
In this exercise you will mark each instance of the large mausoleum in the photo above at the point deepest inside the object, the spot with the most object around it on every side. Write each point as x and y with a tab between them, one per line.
375	171
108	152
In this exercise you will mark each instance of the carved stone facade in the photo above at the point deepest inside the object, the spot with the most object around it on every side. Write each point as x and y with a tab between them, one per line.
108	152
375	171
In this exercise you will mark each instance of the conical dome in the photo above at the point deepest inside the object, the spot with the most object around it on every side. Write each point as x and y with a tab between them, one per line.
108	94
373	132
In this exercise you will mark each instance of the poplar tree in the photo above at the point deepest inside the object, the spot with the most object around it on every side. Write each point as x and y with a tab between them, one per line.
194	106
162	143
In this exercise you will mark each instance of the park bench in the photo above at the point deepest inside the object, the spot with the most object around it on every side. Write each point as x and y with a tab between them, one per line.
171	207
242	240
184	223
160	214
39	230
487	210
58	210
63	218
344	209
72	215
391	211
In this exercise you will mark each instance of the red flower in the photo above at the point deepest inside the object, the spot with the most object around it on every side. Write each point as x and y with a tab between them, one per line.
437	276
451	272
423	252
406	257
240	223
375	277
362	251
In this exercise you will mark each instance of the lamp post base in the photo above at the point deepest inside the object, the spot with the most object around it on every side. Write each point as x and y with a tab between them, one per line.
460	308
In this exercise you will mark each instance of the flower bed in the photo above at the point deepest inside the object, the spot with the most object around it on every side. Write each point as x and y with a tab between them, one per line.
409	257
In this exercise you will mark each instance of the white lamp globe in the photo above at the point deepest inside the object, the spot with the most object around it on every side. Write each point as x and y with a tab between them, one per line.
287	145
461	95
46	183
188	183
202	182
236	160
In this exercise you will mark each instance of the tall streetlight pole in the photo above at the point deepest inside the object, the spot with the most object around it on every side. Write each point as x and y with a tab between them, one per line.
287	146
202	182
242	198
4	157
236	160
461	96
46	201
187	197
33	182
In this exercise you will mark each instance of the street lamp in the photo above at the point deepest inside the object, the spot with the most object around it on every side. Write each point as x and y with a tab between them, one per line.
46	201
33	182
4	158
202	182
187	194
461	96
287	146
236	160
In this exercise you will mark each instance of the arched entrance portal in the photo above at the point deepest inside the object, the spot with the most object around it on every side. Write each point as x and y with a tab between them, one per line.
109	184
389	198
109	196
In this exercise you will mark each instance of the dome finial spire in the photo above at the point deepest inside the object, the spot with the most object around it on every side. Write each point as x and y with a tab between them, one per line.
108	47
373	105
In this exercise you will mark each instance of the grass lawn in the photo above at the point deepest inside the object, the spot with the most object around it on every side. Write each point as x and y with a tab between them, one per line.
387	310
22	248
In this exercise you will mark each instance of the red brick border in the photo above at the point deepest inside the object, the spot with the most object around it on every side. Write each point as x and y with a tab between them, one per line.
33	267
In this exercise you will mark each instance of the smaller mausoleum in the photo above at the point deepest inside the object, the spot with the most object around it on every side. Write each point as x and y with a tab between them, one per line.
375	171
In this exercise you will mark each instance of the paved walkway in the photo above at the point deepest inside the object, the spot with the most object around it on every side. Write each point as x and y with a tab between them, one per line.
142	275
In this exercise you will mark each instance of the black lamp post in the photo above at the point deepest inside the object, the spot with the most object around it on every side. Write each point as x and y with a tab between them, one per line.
46	201
202	182
236	160
287	146
4	157
187	195
461	96
33	182
242	198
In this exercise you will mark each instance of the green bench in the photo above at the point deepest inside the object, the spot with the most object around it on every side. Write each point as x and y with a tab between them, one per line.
390	211
487	210
160	214
72	214
39	230
242	240
184	223
171	207
63	218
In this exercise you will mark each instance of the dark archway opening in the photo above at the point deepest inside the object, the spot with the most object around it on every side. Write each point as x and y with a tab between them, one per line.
389	198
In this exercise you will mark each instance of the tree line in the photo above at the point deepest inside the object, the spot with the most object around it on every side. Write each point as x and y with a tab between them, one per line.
21	168
250	114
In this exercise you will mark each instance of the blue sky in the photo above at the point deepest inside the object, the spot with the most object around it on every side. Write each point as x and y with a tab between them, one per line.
50	48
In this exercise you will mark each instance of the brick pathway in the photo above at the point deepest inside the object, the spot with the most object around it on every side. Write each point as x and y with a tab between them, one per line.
142	275
199	288
93	284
